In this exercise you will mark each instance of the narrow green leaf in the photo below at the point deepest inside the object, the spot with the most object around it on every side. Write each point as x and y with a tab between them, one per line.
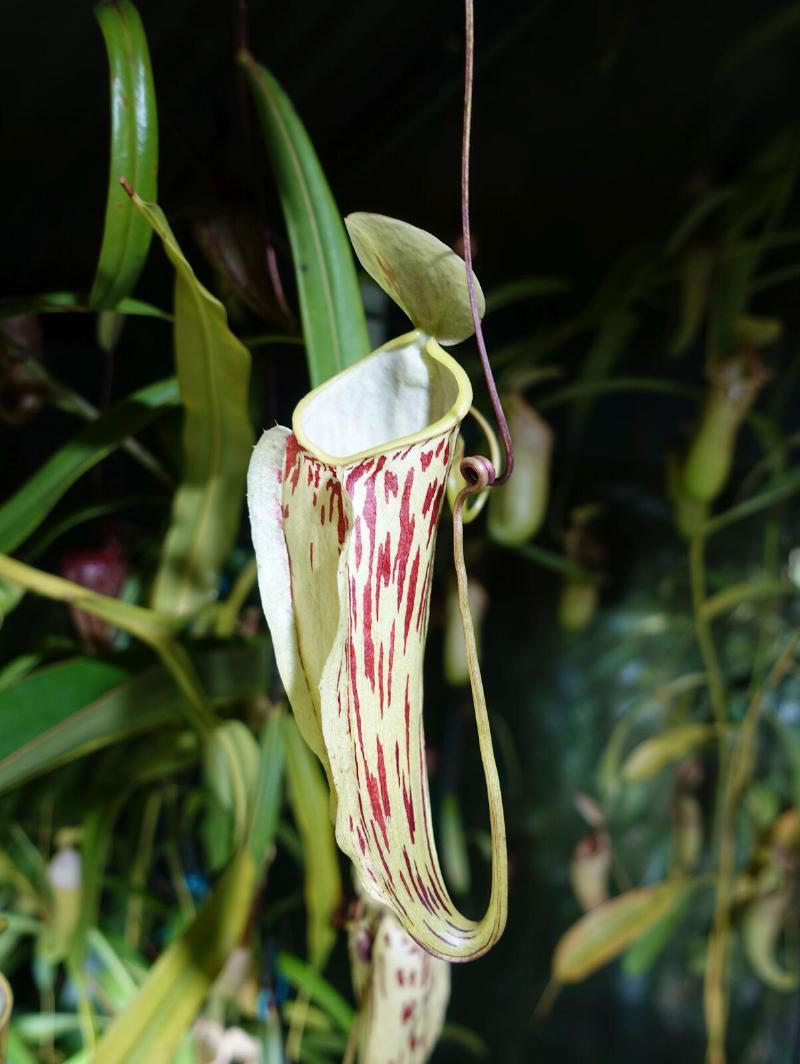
747	591
524	288
782	487
653	754
134	152
64	711
72	302
607	348
334	326
610	761
425	277
454	845
269	789
695	280
18	1052
150	1029
304	977
310	802
214	372
24	511
602	934
645	951
773	29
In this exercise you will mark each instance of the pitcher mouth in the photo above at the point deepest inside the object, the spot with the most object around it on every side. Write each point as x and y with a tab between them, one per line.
406	392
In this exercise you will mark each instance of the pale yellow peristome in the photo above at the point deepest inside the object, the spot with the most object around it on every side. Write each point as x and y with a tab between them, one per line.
344	512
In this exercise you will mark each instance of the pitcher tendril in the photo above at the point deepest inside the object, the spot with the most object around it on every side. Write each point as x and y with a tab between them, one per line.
479	473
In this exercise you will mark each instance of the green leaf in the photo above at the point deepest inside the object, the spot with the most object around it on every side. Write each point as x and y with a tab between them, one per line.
782	487
524	288
695	280
64	711
662	698
134	153
773	29
646	950
269	789
608	346
604	932
304	977
214	372
422	275
310	802
72	302
653	754
454	845
334	326
747	591
152	1026
150	1029
25	510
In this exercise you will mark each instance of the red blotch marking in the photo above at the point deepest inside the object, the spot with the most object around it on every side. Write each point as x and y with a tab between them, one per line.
380	679
425	459
429	497
397	759
390	485
336	497
412	590
353	605
383	571
311	554
386	869
439	448
404	881
356	474
375	802
387	808
426	593
406	536
435	512
354	687
369	646
408	728
357	541
391	667
408	1011
417	883
401	977
291	465
408	802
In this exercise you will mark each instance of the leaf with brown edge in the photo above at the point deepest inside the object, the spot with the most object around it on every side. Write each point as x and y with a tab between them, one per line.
422	275
604	932
655	753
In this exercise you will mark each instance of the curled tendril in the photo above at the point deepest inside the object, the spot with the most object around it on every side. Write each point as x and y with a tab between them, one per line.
479	473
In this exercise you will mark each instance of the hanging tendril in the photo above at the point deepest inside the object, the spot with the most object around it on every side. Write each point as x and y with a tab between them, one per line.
478	471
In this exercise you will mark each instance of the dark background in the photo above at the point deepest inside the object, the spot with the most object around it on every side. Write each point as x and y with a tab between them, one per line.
591	118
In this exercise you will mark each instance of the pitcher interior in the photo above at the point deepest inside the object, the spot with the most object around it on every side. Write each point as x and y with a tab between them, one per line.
393	394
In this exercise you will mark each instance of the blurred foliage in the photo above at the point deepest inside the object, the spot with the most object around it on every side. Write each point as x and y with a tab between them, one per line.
165	848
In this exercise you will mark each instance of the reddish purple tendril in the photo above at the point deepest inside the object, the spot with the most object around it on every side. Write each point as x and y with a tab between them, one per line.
478	471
